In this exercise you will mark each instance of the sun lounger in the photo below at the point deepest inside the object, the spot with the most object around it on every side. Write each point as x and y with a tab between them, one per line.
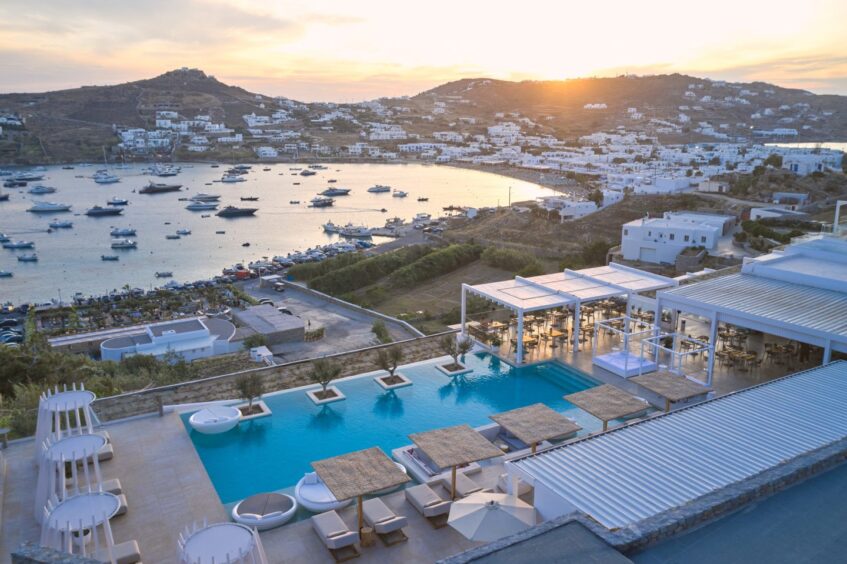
122	507
429	504
387	524
123	553
113	486
339	539
464	486
106	453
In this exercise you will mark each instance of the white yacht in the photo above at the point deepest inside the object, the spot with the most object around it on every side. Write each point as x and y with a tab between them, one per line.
56	224
105	177
41	189
379	188
232	178
330	227
115	201
202	206
201	197
124	244
355	231
122	232
48	207
18	245
400	194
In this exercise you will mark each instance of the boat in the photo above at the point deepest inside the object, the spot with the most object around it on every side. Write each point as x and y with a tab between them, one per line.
296	183
215	166
400	194
201	197
333	191
249	198
109	257
118	202
423	199
355	231
160	188
99	211
266	169
421	218
56	224
122	232
330	227
5	274
315	496
41	189
183	231
164	170
232	211
48	207
164	274
4	197
32	257
220	232
245	244
200	206
378	188
293	202
307	173
171	236
332	180
124	244
27	177
67	167
18	245
321	202
4	238
105	177
14	184
231	178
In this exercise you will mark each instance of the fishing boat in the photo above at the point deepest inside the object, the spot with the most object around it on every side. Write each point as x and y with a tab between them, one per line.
99	211
124	244
232	211
160	188
202	197
122	232
41	189
333	191
109	257
321	202
202	206
400	194
31	257
164	274
48	207
330	227
115	201
56	224
379	188
14	245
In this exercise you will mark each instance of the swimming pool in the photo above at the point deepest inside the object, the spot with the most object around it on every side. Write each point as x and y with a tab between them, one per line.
272	453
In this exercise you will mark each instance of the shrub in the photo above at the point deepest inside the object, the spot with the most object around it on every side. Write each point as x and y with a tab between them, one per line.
381	331
507	259
367	271
255	340
435	264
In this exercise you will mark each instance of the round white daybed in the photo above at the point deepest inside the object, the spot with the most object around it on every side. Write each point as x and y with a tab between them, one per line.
215	419
313	494
265	511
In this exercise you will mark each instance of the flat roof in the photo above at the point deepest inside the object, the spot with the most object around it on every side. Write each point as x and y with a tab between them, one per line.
642	470
266	319
183	326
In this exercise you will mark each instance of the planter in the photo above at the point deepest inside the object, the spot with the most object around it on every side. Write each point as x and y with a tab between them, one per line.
260	409
333	395
454	369
388	382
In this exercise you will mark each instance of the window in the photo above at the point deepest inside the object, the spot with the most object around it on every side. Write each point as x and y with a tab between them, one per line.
703	239
686	238
625	232
671	236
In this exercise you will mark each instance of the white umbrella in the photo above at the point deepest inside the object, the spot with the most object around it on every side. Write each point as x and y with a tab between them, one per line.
490	516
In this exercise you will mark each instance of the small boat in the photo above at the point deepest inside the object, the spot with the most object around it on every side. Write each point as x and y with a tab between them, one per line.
423	199
220	232
201	197
294	202
183	231
400	194
232	211
124	244
14	245
67	167
164	170
332	181
245	244
330	227
336	191
159	188
378	188
164	274
41	189
122	232
321	202
14	184
48	207
202	206
118	202
109	258
5	274
204	216
172	236
215	165
297	184
308	173
232	178
98	211
56	224
249	198
32	257
315	496
266	169
105	177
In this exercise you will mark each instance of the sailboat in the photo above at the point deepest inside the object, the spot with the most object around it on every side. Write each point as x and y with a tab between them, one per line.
104	176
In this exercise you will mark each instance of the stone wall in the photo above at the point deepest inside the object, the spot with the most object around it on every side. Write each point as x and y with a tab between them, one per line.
280	377
34	554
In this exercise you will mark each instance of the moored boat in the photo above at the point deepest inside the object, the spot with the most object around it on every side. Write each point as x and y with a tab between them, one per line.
160	188
333	191
48	207
111	258
321	202
202	206
379	188
122	232
232	211
31	257
99	211
124	244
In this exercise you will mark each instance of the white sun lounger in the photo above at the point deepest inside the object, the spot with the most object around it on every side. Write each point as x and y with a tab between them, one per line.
426	501
381	518
464	486
334	532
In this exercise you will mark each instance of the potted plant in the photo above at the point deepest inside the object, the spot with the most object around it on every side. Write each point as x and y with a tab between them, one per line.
323	373
388	359
251	387
455	348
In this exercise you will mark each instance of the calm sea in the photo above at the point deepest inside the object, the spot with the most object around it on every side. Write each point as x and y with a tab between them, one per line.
69	259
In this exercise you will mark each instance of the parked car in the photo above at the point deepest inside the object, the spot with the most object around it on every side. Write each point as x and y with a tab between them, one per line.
279	287
285	310
11	339
10	322
266	301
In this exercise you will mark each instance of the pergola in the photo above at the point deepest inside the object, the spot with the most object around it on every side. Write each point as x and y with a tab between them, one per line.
565	289
536	423
606	403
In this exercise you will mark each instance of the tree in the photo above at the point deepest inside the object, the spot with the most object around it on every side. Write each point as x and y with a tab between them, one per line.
388	358
774	160
250	386
324	372
597	197
456	347
255	340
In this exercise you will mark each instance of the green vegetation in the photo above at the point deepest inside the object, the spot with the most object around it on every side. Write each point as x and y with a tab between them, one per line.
367	271
255	340
389	358
250	387
308	271
381	331
434	264
507	259
456	347
774	160
758	229
324	372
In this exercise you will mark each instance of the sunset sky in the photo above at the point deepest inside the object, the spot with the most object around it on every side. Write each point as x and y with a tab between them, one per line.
348	51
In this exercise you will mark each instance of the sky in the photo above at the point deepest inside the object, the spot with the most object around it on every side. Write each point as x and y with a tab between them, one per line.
346	51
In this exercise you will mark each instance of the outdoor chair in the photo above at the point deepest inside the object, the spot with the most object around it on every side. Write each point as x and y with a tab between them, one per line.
429	504
385	523
464	486
335	534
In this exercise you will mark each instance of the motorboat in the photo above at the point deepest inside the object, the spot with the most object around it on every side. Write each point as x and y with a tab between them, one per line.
99	211
215	419
31	257
201	197
202	206
333	191
5	274
164	170
48	207
308	173
109	258
232	211
293	202
164	274
11	183
4	238
321	202
14	245
330	227
105	177
183	231
172	236
332	181
400	194
423	199
315	496
118	202
56	224
41	189
124	244
122	232
249	198
232	178
27	177
160	188
378	188
355	231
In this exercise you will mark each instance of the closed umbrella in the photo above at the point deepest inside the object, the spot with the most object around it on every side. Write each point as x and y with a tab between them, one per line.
490	516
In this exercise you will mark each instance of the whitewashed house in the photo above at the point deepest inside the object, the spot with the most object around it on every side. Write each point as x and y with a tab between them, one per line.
659	240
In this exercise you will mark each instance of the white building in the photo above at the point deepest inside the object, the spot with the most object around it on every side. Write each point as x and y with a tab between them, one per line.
266	152
660	240
189	338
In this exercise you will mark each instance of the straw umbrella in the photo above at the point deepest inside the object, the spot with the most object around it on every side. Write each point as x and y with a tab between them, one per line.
606	402
535	423
359	473
451	447
490	516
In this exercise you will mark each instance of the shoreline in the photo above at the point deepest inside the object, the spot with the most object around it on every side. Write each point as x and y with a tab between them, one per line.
554	180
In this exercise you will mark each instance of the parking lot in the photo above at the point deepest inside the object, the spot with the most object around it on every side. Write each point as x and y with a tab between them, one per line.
345	329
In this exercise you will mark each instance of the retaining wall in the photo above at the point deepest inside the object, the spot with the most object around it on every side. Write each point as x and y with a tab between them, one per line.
279	377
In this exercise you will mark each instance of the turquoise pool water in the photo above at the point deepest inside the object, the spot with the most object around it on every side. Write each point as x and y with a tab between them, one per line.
272	453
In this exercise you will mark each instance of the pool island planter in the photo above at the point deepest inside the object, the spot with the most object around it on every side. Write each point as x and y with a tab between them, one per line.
390	382
315	395
263	411
453	369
